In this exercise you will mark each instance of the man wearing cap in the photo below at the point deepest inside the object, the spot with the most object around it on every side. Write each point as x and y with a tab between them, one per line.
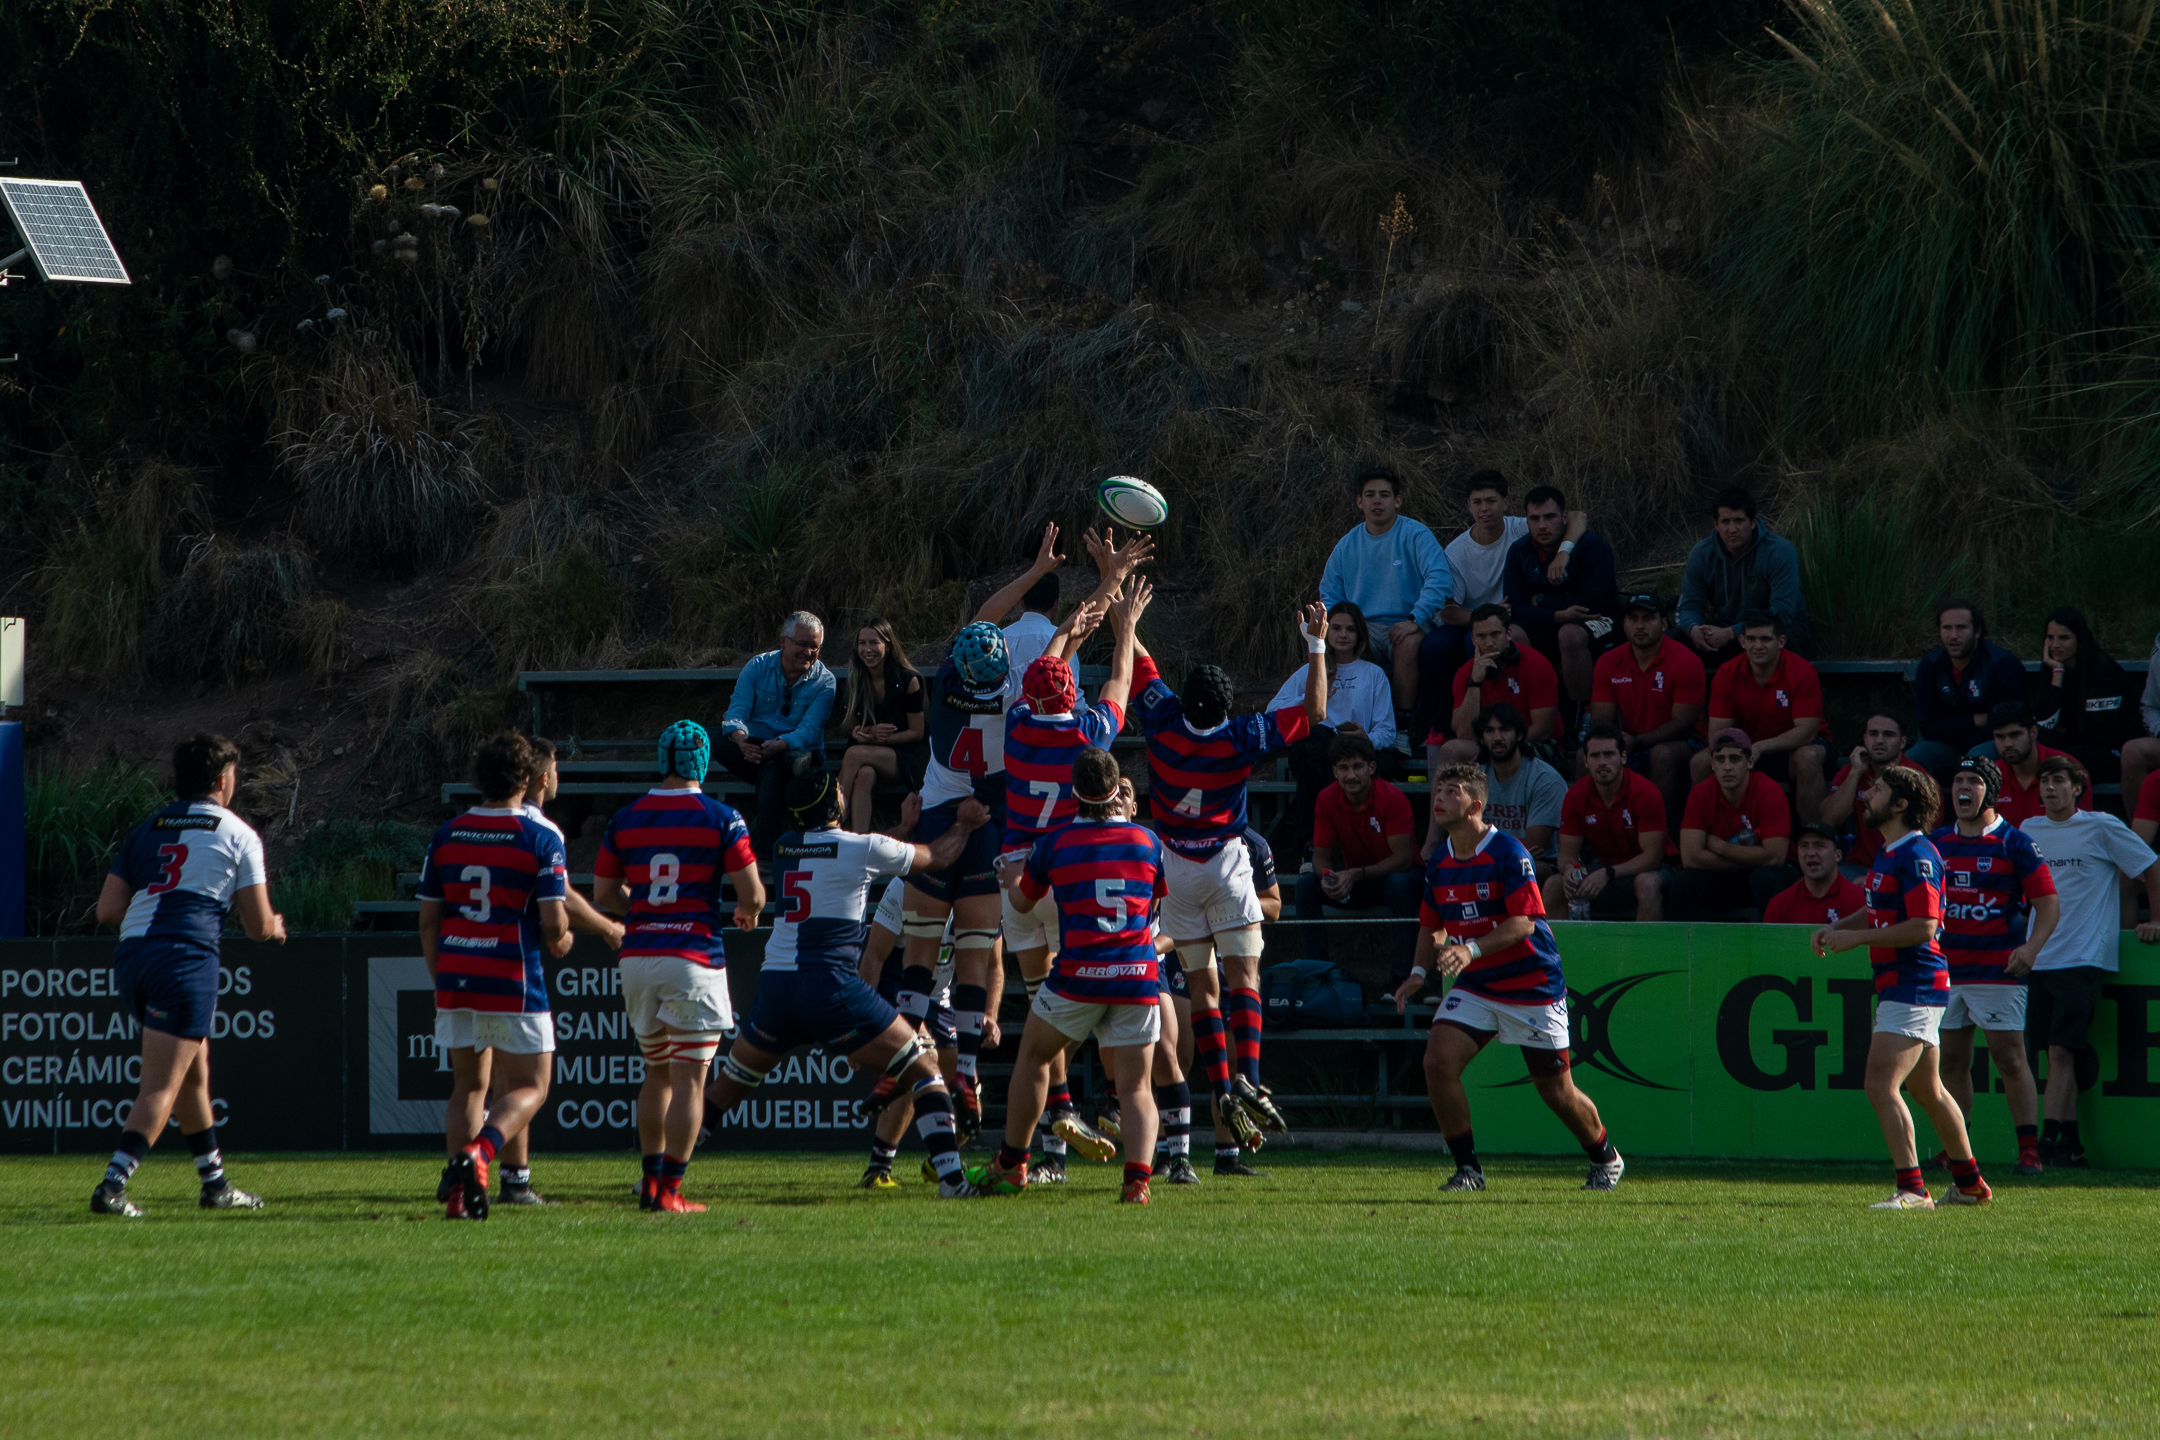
1823	895
1734	835
1653	689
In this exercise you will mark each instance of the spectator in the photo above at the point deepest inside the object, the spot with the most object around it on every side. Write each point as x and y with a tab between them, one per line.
1499	670
1653	689
2085	850
1522	792
1882	744
2018	753
1740	566
1768	691
1734	836
1477	562
1823	894
1566	620
775	724
1611	864
1359	703
2086	703
1364	854
2141	752
1391	568
881	712
1956	685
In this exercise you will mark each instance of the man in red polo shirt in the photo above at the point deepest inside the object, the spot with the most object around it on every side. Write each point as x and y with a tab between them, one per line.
2018	752
1767	690
1612	838
1364	853
1734	836
1822	896
1882	744
1499	671
1652	688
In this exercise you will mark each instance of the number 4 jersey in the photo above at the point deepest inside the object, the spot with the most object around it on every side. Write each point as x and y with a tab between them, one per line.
967	739
670	849
491	870
185	864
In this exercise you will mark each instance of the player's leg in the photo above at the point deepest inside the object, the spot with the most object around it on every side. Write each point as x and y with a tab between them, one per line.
516	1167
167	1060
521	1067
1449	1049
1132	1064
1956	1059
198	1126
2006	1047
908	1054
1042	1039
1211	1047
976	969
1239	947
1924	1083
1554	1078
1173	1102
466	1110
687	1054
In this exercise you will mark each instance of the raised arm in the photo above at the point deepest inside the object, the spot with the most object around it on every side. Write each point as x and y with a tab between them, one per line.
1125	616
1313	628
1047	558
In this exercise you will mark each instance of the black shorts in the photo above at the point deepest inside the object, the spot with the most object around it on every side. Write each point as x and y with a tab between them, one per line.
165	990
2059	1005
975	872
826	1007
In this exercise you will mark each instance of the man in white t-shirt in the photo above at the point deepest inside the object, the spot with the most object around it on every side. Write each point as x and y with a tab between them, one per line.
2085	850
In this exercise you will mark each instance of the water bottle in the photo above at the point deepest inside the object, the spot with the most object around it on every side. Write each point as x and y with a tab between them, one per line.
1578	909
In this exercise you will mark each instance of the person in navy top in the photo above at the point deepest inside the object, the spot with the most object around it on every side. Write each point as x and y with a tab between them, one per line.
1912	983
1994	883
1482	925
173	882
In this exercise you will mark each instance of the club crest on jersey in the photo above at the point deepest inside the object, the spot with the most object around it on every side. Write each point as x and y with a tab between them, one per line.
1984	863
1925	867
1657	680
1783	703
1484	891
1627	817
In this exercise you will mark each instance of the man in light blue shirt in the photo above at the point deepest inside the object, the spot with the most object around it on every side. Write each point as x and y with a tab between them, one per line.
1394	570
775	725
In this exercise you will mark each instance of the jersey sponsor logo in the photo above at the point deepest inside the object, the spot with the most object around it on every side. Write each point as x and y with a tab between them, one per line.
184	822
1976	910
1925	867
800	850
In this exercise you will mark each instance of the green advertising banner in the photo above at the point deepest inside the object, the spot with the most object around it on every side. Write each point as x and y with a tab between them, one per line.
1739	1041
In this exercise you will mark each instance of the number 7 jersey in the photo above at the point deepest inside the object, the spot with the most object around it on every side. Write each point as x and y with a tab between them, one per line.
670	849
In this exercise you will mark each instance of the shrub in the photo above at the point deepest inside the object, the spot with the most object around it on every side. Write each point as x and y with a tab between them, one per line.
341	861
384	475
237	613
73	822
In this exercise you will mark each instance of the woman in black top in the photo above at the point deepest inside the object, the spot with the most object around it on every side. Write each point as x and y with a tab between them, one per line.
2086	703
881	711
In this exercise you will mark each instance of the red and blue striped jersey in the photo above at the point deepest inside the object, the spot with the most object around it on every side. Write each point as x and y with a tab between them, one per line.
1989	883
1196	778
670	849
1108	877
1469	898
1039	754
1906	883
491	870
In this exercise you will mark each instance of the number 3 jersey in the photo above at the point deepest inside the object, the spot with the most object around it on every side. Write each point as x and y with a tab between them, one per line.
967	739
1108	878
185	864
491	870
825	880
670	848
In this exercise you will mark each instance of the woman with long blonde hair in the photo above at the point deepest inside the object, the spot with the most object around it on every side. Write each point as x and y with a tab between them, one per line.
881	712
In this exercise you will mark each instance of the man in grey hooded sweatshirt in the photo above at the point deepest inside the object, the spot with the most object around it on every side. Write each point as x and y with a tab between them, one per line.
1740	566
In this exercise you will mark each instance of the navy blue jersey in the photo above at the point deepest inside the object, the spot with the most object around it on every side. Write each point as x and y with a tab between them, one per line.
967	738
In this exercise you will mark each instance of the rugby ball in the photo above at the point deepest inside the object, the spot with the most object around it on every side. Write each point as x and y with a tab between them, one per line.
1130	500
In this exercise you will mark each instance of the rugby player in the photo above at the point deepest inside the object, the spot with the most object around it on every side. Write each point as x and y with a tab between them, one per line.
491	899
809	992
1483	925
1912	984
930	1014
1199	758
660	862
1993	879
1109	880
172	882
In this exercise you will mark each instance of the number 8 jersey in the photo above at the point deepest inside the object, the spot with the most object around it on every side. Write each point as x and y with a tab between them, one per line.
670	849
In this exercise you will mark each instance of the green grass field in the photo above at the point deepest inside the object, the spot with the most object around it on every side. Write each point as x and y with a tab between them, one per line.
1341	1296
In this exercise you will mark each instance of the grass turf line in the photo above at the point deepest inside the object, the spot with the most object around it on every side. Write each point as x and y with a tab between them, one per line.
1342	1295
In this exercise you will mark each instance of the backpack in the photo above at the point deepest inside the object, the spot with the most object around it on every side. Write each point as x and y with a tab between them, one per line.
1312	993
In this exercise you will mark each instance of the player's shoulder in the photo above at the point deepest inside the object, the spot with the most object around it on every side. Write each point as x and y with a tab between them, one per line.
1579	791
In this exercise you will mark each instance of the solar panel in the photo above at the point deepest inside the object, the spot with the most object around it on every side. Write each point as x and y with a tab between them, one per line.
62	231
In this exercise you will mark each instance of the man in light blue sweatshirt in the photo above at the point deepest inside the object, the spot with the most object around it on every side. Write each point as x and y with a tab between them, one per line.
1392	568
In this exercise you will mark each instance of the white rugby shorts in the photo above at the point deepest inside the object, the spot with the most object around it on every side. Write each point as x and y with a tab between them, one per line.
1993	1008
481	1030
1035	929
1534	1027
1111	1025
1915	1022
1207	897
667	992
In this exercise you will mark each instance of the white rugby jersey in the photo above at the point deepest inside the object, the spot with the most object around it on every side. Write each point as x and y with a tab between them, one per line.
185	864
824	891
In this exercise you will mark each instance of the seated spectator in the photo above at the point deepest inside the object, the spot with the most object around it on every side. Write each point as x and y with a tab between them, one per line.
1499	671
1364	854
1844	810
1477	564
2018	753
775	724
1770	692
1824	894
1734	837
2141	752
1391	568
881	712
1740	566
2086	703
1956	685
1358	703
2145	811
1522	792
1611	864
1653	688
1570	619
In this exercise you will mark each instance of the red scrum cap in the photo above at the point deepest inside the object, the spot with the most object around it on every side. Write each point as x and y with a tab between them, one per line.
1047	685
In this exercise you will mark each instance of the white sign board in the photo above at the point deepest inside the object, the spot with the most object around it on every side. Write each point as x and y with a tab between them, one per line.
11	661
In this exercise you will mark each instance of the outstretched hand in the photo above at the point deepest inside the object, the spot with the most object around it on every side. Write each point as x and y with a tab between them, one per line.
1113	563
1312	621
1085	621
1047	557
1126	611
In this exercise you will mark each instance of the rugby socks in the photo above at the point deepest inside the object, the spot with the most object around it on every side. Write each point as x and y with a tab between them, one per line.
517	1177
1908	1178
209	1161
1600	1150
1965	1173
2070	1137
649	1186
124	1160
1212	1052
883	1155
1242	1008
1135	1170
915	994
1174	1102
2027	1134
489	1140
672	1171
1464	1148
1227	1152
934	1122
2050	1132
1059	1103
652	1165
1009	1158
969	1002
